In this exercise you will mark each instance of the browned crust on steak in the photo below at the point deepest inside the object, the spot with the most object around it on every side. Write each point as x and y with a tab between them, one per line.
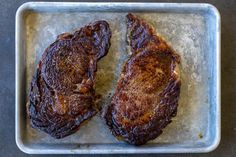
147	93
62	91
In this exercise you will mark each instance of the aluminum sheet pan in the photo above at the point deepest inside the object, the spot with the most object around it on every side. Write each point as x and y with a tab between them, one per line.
193	30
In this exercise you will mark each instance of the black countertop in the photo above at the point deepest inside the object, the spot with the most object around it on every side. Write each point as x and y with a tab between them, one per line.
227	147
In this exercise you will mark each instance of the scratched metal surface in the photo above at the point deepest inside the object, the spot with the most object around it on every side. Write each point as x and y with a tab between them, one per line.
191	31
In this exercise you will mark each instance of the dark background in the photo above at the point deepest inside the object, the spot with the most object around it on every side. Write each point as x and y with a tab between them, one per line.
227	147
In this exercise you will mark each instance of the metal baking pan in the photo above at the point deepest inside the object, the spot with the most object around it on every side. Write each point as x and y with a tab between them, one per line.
193	30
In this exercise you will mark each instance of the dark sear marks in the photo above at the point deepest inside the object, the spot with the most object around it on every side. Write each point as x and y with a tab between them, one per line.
62	91
147	93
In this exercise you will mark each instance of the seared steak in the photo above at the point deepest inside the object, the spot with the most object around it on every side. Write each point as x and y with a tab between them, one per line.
62	94
147	93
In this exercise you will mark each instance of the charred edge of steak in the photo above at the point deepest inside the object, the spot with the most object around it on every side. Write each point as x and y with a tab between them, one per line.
101	38
141	35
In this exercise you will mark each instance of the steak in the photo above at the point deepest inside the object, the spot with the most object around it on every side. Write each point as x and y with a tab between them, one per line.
62	92
147	92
